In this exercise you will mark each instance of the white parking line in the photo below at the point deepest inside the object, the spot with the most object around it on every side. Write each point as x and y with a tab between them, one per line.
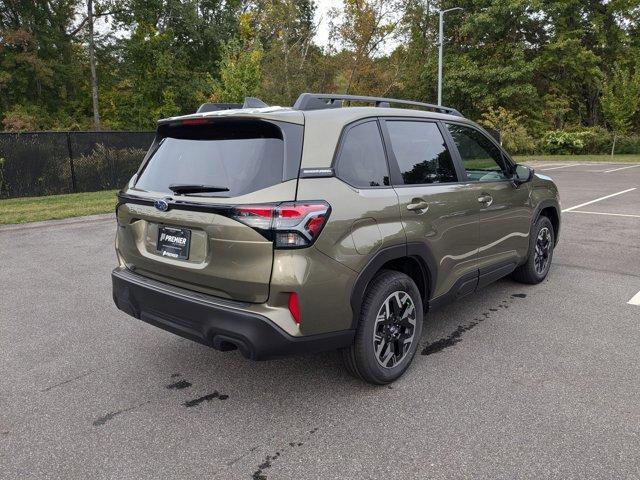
556	168
598	199
603	213
621	168
542	164
635	300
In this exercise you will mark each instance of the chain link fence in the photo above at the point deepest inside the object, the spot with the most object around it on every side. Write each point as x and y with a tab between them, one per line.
51	163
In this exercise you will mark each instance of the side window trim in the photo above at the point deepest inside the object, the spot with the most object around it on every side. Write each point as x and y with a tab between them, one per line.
395	176
508	161
394	168
455	154
335	162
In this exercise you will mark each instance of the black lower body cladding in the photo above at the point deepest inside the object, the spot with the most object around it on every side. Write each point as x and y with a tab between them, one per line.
211	322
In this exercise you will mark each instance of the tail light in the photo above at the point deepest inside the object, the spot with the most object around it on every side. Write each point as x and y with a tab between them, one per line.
288	225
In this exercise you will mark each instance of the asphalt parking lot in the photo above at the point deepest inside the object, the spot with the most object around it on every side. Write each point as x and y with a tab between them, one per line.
513	382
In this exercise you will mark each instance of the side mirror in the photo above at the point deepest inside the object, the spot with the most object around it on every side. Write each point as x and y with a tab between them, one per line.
522	174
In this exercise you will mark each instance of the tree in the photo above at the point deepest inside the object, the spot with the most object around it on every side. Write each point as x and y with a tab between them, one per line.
240	72
92	63
291	62
362	29
620	101
40	66
550	64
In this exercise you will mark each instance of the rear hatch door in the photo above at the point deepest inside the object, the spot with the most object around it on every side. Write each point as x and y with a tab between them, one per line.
174	221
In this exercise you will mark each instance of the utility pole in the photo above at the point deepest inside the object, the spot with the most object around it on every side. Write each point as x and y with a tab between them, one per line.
440	44
92	62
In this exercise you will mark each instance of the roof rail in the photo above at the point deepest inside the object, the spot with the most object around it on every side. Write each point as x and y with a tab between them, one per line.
249	102
318	101
214	107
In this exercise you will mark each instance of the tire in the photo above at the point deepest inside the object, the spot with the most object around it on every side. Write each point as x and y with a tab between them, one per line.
398	330
535	269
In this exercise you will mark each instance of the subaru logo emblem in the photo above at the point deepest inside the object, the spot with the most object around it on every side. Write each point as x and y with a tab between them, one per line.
161	205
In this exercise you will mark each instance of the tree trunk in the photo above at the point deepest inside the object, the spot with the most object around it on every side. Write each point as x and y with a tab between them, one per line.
92	62
613	146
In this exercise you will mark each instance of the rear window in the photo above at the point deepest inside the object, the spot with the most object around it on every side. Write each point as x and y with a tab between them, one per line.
242	156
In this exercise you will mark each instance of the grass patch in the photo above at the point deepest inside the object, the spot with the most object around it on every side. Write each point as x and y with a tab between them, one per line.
578	158
34	209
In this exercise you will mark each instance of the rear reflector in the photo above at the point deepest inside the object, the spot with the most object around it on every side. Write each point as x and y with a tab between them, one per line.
294	308
289	225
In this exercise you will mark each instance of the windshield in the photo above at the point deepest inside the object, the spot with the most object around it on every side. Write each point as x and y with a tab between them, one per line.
242	158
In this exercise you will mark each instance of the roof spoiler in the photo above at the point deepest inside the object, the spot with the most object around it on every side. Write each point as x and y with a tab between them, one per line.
319	101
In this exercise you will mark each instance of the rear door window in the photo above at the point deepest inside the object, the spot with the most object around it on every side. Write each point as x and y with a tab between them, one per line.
362	161
242	157
421	152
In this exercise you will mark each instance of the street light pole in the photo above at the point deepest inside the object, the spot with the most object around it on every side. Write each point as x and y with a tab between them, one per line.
440	44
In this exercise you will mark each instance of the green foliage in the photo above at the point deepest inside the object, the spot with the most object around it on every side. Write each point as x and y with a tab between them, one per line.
621	99
586	141
525	67
19	118
561	142
513	135
40	65
291	62
240	72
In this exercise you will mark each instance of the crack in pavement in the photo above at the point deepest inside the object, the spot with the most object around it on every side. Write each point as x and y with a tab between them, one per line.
67	381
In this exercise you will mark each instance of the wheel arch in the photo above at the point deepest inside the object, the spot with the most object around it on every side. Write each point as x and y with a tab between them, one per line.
551	210
412	259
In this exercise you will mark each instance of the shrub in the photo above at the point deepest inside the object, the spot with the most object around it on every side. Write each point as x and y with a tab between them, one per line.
518	141
560	142
513	135
587	141
628	144
105	168
34	164
597	140
20	118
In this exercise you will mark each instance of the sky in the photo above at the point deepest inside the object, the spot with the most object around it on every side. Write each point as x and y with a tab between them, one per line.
322	16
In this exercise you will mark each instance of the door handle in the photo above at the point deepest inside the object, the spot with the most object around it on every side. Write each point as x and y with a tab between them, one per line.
418	205
486	199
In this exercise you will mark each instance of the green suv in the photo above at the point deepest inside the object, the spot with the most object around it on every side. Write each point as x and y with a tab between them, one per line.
281	231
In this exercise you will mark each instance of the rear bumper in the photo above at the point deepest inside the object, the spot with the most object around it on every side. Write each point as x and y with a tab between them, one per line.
213	322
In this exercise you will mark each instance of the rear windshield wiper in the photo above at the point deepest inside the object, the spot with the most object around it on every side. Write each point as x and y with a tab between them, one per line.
187	188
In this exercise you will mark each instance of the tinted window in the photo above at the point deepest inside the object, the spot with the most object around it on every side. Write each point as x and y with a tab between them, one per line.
481	159
421	153
362	161
243	157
